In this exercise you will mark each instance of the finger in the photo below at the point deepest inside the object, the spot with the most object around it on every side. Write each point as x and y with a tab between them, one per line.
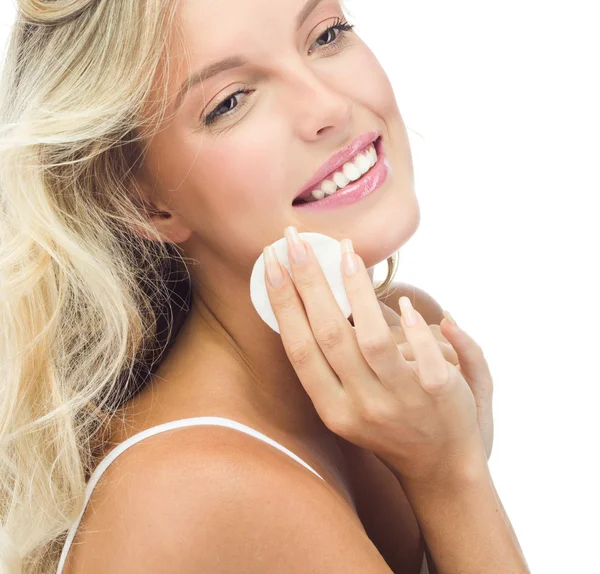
374	337
449	353
333	333
400	337
398	334
447	350
437	333
316	375
391	317
474	366
433	369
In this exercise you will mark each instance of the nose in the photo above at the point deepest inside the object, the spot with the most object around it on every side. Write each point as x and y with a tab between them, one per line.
316	106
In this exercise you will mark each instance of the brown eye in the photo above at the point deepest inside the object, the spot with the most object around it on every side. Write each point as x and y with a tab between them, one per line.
341	26
329	32
227	110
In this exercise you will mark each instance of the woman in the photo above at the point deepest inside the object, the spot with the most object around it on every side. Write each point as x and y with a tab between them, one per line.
150	151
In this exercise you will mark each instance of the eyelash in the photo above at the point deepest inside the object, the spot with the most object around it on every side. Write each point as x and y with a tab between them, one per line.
339	24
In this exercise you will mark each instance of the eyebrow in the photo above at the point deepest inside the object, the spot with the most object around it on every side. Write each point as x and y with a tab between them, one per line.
233	61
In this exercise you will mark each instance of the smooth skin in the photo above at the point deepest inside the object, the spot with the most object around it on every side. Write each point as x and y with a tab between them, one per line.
450	337
228	511
418	416
222	193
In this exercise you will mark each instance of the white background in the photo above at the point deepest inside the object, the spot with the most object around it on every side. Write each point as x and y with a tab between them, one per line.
501	100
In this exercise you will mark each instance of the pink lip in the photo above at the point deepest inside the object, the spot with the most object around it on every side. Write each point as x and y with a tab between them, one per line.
338	160
357	190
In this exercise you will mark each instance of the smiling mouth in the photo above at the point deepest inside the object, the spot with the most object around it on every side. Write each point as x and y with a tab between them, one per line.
350	172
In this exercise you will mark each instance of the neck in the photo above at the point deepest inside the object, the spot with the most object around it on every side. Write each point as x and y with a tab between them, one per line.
227	360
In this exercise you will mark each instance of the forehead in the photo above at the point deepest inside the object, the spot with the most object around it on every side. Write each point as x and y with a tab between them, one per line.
214	29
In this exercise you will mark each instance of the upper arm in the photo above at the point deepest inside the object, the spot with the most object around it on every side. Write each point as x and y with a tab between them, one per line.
225	510
424	303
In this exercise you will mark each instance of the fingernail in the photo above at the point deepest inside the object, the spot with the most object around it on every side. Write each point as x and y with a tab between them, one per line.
274	274
450	318
408	311
296	246
348	257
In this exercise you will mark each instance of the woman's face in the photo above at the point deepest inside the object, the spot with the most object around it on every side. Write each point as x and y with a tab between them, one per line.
247	139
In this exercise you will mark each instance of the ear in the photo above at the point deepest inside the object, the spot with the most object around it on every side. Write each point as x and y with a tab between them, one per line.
167	222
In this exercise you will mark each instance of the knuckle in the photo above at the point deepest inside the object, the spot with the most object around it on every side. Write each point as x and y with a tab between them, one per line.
338	422
305	281
283	304
371	411
439	382
374	345
329	333
407	352
299	353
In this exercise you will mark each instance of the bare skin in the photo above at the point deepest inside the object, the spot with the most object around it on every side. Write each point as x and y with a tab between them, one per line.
226	191
356	476
201	376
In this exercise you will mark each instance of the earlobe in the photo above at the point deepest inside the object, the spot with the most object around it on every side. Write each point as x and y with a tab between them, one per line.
176	233
170	228
168	224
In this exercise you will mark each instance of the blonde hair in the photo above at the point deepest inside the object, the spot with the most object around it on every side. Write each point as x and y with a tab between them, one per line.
87	307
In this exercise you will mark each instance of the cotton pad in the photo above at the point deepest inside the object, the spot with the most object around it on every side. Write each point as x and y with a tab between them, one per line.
328	253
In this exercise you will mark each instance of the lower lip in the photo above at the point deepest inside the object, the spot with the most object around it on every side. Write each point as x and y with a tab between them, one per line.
354	192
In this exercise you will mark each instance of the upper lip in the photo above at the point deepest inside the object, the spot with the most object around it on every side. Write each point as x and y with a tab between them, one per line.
337	160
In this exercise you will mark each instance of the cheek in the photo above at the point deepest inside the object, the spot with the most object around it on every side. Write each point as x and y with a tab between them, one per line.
234	175
374	89
243	174
232	187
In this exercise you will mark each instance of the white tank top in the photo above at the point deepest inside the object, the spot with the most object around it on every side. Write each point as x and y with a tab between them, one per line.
105	462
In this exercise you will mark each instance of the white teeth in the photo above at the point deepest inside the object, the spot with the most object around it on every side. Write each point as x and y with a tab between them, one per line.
340	180
318	193
328	187
351	171
363	163
373	155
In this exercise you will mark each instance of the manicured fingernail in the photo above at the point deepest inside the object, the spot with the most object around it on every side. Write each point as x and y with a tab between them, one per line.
348	257
296	246
274	274
450	318
408	311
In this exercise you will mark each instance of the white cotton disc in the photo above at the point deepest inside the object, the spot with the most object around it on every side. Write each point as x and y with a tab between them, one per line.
328	253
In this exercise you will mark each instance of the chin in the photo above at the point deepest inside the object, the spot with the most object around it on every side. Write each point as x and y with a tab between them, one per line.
384	231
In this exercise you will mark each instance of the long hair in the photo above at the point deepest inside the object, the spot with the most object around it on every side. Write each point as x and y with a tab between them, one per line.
87	306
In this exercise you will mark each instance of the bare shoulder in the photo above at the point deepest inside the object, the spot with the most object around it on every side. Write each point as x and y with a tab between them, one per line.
217	501
422	301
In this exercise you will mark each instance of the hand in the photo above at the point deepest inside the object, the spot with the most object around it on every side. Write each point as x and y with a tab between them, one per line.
479	380
417	416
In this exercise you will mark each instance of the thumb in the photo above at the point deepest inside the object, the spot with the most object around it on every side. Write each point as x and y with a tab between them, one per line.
473	365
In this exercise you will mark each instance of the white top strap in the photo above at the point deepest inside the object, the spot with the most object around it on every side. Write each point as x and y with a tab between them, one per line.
113	454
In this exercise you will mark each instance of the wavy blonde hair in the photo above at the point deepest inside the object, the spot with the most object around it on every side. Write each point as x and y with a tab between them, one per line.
87	306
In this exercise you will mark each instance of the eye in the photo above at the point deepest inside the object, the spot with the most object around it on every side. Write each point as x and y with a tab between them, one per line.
227	109
331	39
